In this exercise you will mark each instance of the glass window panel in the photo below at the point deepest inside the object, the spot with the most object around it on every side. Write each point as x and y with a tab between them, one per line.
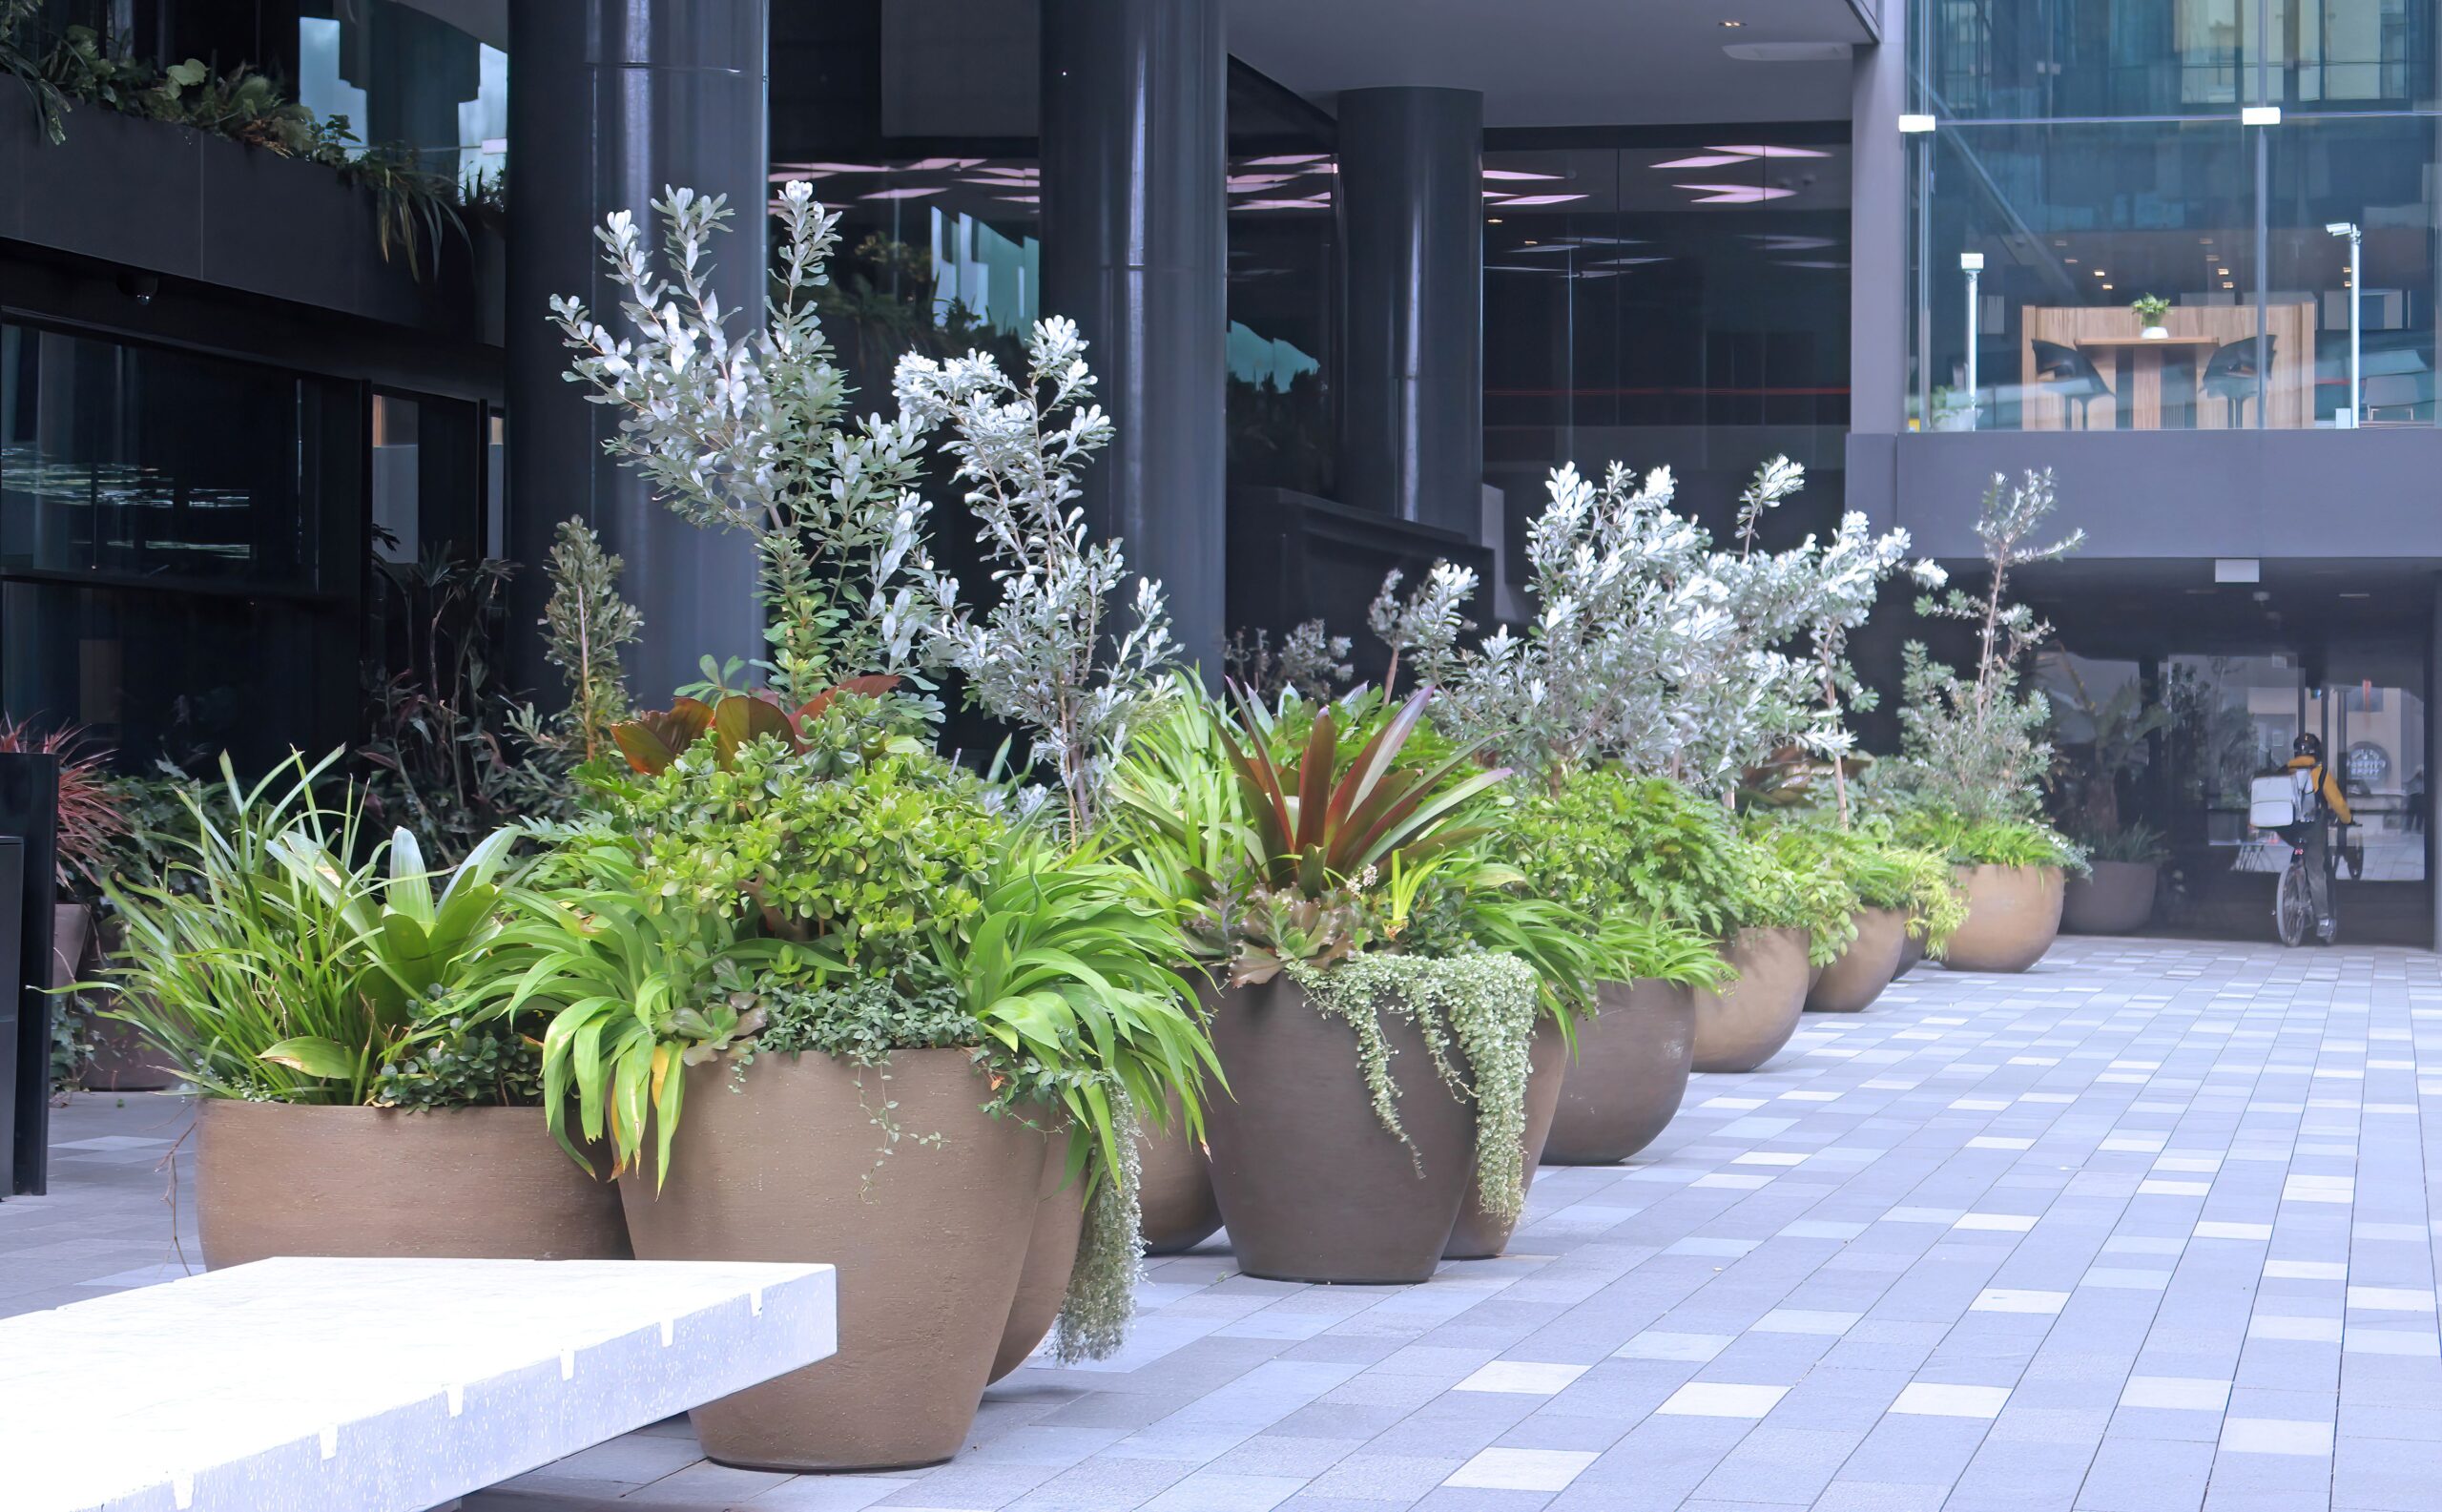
2374	173
2075	223
186	675
1684	303
132	463
2053	60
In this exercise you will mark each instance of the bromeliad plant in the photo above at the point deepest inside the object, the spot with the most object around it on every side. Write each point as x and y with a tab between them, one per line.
1325	855
271	967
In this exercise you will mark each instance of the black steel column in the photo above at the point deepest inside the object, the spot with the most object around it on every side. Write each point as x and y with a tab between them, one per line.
613	101
1411	185
1135	250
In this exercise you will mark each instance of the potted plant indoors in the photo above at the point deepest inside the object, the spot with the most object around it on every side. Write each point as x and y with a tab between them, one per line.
1378	1055
2150	309
891	991
2115	896
1973	749
357	1097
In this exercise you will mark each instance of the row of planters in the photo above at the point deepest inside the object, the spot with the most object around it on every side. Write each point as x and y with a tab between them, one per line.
1335	970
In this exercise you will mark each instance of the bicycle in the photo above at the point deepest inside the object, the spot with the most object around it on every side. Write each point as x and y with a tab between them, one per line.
2289	805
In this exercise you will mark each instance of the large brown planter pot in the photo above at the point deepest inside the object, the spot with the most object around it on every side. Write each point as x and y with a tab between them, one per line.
464	1183
1051	1254
1858	976
1741	1026
1175	1184
2117	899
1632	1062
123	1059
929	1244
2013	917
1912	949
1478	1235
1312	1187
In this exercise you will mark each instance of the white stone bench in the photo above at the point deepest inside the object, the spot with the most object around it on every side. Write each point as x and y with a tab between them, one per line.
377	1385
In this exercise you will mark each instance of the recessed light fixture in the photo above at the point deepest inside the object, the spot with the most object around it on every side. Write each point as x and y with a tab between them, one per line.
1912	124
2260	115
2106	288
1492	221
2100	274
1734	24
2357	596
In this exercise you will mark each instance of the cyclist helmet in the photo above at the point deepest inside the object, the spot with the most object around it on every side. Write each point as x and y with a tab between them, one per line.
2308	745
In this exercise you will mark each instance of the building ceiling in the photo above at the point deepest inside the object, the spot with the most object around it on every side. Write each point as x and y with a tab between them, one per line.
1569	62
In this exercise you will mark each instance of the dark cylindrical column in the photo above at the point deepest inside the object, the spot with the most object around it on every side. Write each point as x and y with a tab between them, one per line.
613	101
1411	187
1135	250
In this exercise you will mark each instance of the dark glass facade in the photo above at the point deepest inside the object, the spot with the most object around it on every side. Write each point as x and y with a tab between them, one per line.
1681	300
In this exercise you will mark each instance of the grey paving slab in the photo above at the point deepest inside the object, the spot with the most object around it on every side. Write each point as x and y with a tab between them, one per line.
2147	1229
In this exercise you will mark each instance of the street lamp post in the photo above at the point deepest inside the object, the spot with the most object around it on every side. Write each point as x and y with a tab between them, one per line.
2356	296
1971	263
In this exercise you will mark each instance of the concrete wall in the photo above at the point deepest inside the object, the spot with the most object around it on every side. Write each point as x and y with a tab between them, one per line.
2171	495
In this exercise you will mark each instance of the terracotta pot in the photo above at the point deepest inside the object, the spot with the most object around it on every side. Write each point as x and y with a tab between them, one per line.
1741	1026
123	1060
1632	1062
1912	949
1051	1254
929	1241
1176	1186
1858	976
464	1183
2013	917
2117	899
1312	1187
1478	1235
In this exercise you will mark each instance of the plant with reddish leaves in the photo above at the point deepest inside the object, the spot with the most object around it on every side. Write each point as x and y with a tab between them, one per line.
93	815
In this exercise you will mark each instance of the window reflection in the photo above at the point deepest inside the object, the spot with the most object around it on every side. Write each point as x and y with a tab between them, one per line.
1682	302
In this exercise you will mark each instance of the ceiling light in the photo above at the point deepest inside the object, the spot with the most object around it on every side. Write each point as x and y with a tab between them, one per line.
1766	152
2220	273
1734	24
1541	200
901	194
1492	221
1704	161
1519	173
1286	160
1912	125
2260	115
1733	194
2357	596
2106	288
2100	274
2072	262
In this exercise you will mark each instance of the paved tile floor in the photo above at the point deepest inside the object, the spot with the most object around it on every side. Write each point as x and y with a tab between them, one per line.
2145	1229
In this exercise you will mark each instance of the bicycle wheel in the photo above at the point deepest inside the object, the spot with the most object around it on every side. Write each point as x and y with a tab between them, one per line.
2293	911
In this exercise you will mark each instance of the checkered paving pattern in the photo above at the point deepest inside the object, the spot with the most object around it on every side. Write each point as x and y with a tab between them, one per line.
2145	1229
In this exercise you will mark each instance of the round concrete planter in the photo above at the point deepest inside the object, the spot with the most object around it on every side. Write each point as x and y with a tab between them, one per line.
929	1242
1632	1062
1175	1187
2013	917
2117	899
1741	1026
1858	976
1478	1234
1312	1187
1051	1254
463	1183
